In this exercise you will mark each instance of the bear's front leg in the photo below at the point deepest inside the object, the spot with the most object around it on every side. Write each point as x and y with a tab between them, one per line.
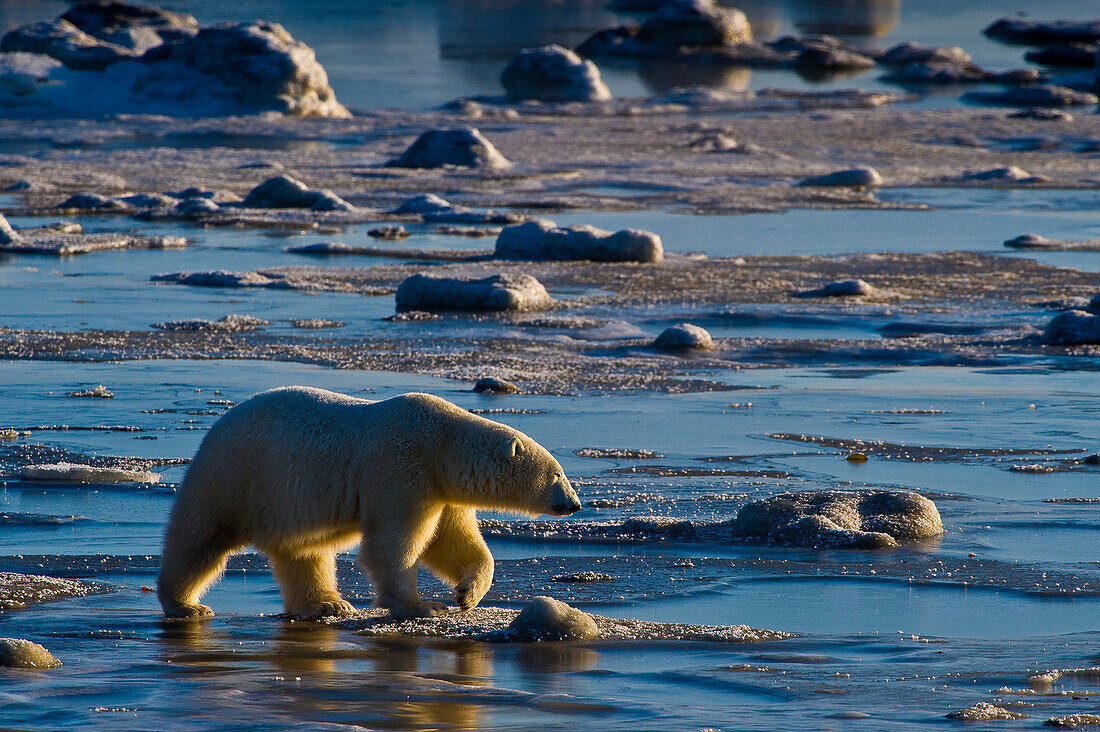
390	553
458	554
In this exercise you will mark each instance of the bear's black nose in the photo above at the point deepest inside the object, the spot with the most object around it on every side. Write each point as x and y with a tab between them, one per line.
567	508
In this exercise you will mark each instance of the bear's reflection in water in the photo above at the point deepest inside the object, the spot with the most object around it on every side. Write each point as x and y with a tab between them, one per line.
330	675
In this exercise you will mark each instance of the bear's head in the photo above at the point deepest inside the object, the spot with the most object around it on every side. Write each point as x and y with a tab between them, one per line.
526	466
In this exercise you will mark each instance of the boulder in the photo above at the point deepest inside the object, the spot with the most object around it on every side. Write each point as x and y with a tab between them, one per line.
546	619
501	292
855	177
241	66
63	41
544	240
1073	328
462	147
858	519
553	74
493	385
693	24
683	337
21	653
283	191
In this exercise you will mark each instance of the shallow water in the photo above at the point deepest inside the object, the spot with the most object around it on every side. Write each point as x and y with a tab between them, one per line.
424	53
1012	587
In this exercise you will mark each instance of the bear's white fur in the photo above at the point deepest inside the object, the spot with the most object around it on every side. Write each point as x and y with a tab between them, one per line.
302	473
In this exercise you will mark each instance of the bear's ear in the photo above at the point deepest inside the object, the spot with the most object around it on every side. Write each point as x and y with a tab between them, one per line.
511	448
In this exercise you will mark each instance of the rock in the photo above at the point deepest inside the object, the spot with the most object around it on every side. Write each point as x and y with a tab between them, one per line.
389	233
244	67
195	207
937	72
1046	115
544	240
92	202
546	619
683	337
282	191
231	323
77	473
1035	241
856	177
857	519
492	385
1073	328
553	74
1037	95
133	27
20	653
432	208
694	23
904	54
8	235
1011	174
497	293
1079	55
843	288
63	41
983	712
1029	32
219	278
96	392
462	147
1074	720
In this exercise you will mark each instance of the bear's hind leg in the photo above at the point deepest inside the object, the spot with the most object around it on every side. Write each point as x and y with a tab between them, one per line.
458	554
308	583
188	566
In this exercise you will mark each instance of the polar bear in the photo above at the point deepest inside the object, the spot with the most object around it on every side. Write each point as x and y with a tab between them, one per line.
301	473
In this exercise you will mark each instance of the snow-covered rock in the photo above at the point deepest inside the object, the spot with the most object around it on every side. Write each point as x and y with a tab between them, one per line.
553	74
683	337
855	177
695	23
497	293
842	288
862	519
1073	328
546	619
22	653
544	240
283	191
462	146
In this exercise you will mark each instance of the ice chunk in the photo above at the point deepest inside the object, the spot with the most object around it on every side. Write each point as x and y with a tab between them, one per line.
682	337
63	41
1034	95
22	74
984	712
282	191
134	27
220	278
1074	720
855	177
22	590
553	74
463	147
544	240
862	519
76	473
21	653
435	209
695	23
1036	241
547	619
1073	328
96	392
231	323
843	288
496	293
8	235
907	53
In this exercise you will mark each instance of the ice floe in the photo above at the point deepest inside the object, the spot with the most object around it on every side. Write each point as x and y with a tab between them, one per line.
22	653
18	591
855	177
77	473
283	191
984	712
460	147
